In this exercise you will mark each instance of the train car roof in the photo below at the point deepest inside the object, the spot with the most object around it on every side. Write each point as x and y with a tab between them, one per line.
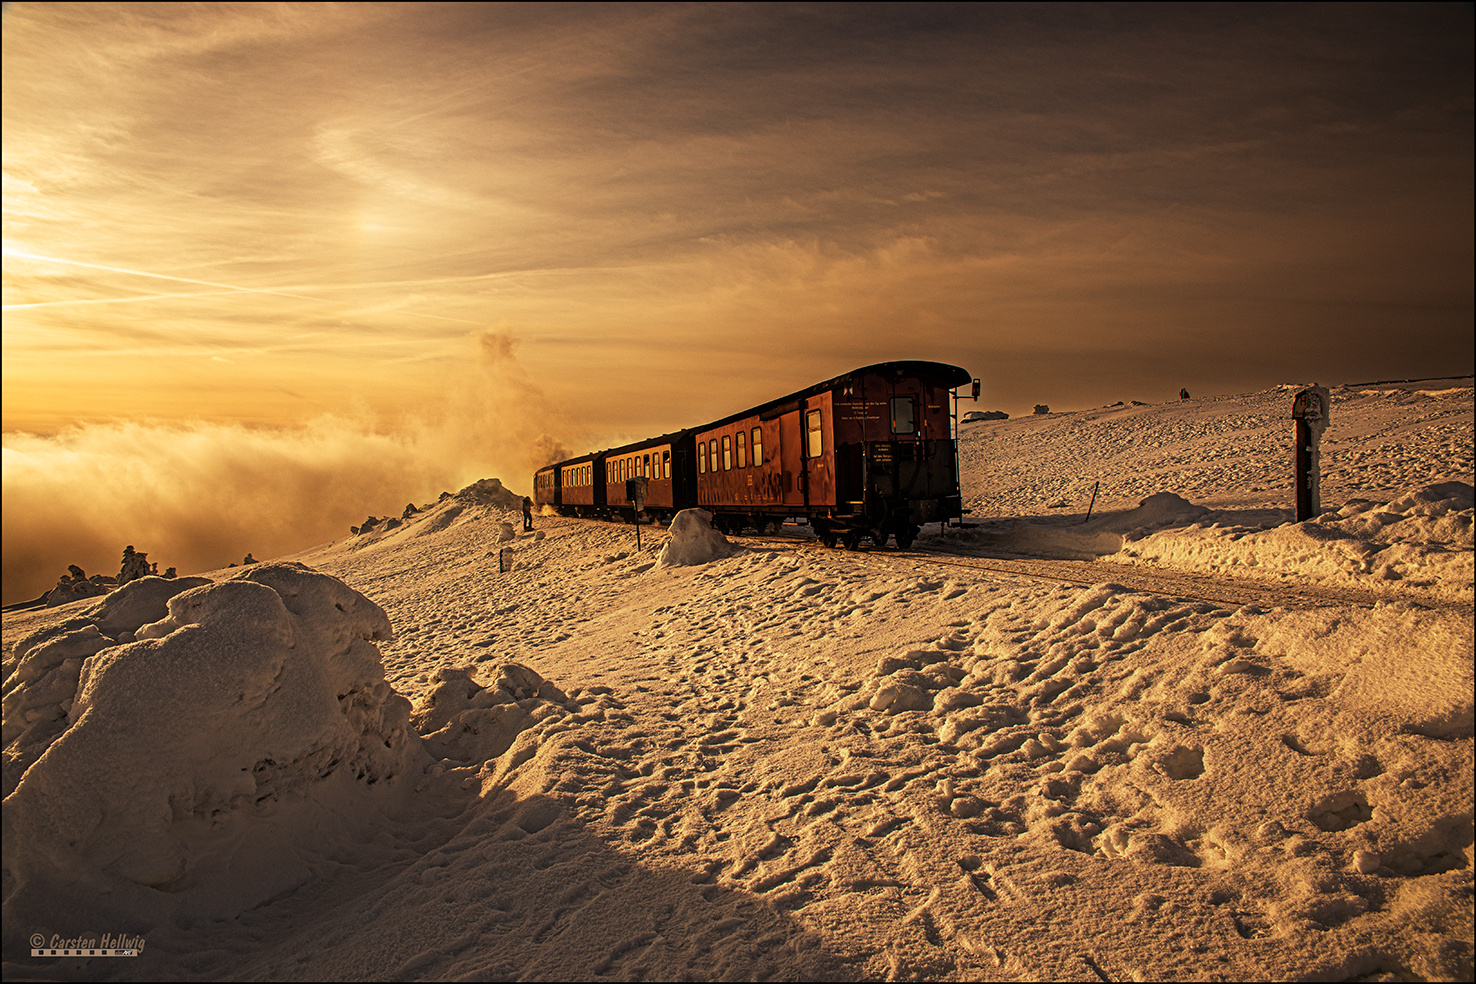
945	374
648	442
941	372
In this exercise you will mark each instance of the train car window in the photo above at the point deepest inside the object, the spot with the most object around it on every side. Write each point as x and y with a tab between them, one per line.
712	459
902	421
646	465
758	446
727	452
702	459
812	425
666	464
742	449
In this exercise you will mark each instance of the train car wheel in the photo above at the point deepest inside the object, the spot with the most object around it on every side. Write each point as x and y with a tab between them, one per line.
853	540
825	533
879	537
905	536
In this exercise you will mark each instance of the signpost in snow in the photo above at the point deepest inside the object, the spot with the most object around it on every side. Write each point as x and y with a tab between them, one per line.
1310	411
635	491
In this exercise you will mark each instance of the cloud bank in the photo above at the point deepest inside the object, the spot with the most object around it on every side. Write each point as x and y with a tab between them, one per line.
199	495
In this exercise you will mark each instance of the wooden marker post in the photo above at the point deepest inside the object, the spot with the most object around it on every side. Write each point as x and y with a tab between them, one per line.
1310	411
635	491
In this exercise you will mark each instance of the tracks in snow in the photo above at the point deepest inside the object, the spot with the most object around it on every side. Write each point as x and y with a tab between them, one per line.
1217	589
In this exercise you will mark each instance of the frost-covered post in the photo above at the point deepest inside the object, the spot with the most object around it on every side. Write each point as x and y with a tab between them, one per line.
1310	410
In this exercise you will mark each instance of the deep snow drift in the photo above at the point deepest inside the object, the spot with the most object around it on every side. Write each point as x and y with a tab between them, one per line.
206	752
792	762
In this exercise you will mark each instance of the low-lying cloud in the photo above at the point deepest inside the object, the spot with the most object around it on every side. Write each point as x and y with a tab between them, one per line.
200	495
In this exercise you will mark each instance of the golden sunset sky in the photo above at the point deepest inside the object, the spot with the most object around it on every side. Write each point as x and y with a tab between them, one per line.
260	212
631	218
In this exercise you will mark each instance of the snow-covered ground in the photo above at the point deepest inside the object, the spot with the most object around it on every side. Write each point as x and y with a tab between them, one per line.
1029	748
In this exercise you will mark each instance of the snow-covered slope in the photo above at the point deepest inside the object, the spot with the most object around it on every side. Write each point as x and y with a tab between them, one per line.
789	762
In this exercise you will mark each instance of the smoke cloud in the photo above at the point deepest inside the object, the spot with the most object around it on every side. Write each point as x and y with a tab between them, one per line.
200	495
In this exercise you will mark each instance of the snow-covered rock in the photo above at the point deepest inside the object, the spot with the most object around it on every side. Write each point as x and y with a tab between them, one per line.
693	541
202	755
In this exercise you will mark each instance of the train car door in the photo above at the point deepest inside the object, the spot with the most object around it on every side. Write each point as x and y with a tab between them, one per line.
791	457
819	426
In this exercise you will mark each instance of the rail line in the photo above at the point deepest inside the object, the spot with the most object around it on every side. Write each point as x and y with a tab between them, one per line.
1214	589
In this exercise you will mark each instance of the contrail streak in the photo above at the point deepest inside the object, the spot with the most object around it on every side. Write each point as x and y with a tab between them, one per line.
115	300
157	276
223	288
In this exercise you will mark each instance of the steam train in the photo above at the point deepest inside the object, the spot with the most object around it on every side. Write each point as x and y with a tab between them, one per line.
871	454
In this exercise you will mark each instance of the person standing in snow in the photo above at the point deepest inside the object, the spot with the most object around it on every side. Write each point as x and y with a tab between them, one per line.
527	513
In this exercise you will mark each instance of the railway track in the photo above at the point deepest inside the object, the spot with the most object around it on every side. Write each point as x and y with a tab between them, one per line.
1217	589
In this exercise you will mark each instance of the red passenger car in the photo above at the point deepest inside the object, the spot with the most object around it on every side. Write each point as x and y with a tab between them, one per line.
868	454
651	460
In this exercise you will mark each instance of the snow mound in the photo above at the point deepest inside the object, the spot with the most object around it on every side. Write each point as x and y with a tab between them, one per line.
482	498
468	721
137	603
210	755
1423	538
910	681
41	688
693	541
1158	510
490	492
